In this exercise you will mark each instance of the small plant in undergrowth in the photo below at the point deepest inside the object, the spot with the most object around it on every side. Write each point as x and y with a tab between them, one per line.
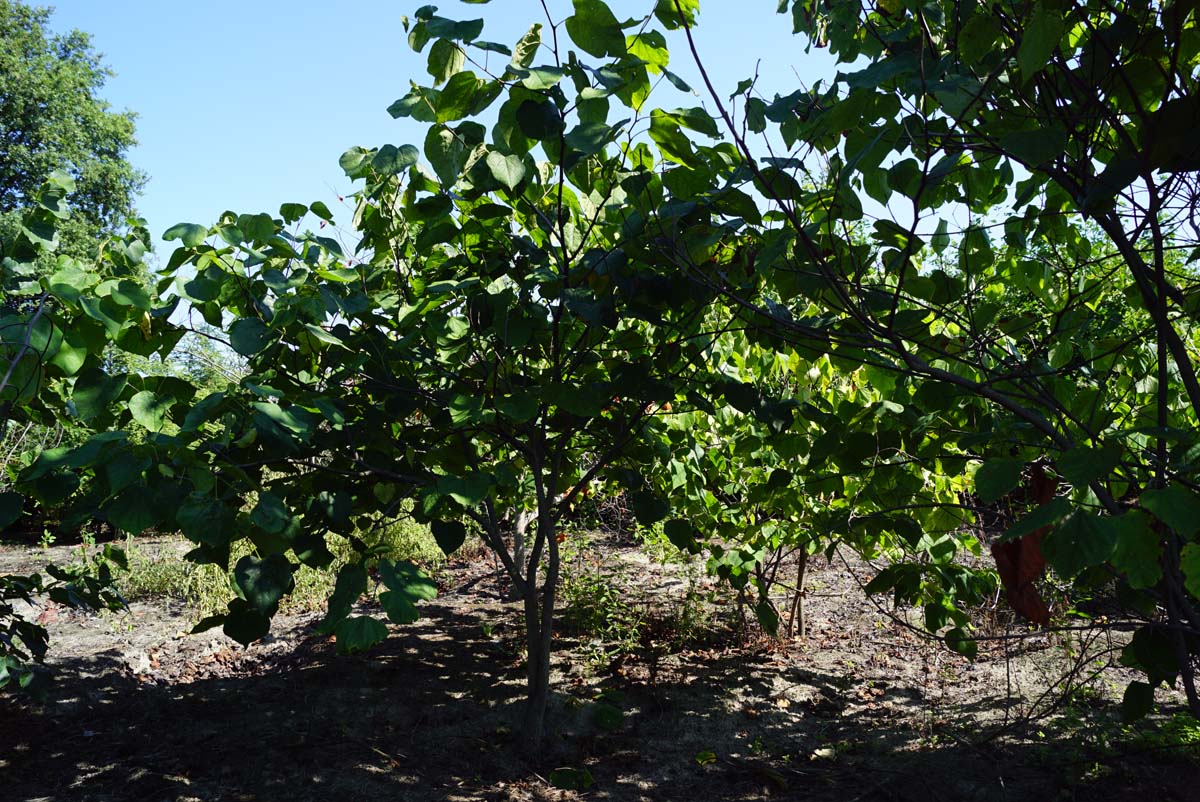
1180	732
689	619
597	607
162	572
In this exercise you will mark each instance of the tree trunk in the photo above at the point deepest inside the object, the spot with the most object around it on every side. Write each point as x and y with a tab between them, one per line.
539	630
537	675
521	527
797	615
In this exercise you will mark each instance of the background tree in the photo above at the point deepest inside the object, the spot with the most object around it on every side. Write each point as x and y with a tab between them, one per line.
53	118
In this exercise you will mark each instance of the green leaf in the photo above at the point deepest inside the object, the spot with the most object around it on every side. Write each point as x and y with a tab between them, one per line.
648	508
518	408
465	30
1153	651
445	60
190	233
11	505
392	160
467	490
1034	147
311	550
941	237
977	36
1059	357
245	624
359	633
457	99
651	47
1083	465
590	138
202	412
1138	554
1082	540
492	47
672	143
508	170
996	478
767	617
354	163
607	717
248	336
322	336
204	520
696	119
71	280
540	79
94	391
399	608
1137	702
674	14
1189	563
128	293
1175	506
130	511
270	513
321	210
527	46
594	28
677	82
293	212
263	582
959	641
682	535
450	535
150	410
406	578
335	506
539	120
1038	41
407	585
444	149
351	583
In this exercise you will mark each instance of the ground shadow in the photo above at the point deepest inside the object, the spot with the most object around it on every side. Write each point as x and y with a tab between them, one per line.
429	716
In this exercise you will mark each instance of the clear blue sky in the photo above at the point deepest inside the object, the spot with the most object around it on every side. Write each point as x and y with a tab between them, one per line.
245	105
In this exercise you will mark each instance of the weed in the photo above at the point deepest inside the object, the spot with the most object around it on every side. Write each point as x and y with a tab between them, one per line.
596	606
654	543
1179	733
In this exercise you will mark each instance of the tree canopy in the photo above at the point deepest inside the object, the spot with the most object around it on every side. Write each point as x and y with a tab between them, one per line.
52	117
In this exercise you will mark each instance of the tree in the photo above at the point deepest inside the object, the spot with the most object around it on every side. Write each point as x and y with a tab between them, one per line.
992	142
499	339
52	118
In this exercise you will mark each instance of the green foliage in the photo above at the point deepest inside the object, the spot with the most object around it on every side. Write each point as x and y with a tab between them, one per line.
23	642
52	117
596	606
1053	326
974	260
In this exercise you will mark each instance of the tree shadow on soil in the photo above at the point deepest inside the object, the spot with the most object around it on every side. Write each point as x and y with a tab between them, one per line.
428	716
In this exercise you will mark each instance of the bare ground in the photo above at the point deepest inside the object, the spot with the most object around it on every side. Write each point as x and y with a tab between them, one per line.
862	709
